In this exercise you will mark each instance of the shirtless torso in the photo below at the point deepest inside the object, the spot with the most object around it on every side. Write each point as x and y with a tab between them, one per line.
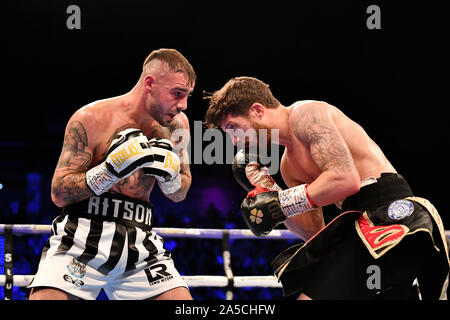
298	166
341	145
89	134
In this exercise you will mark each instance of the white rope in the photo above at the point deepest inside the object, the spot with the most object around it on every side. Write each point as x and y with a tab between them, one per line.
192	281
21	229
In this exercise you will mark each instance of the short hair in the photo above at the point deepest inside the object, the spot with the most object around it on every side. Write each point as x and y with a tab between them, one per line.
236	97
175	61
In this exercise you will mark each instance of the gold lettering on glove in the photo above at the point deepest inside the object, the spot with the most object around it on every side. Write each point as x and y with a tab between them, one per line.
274	209
171	162
125	153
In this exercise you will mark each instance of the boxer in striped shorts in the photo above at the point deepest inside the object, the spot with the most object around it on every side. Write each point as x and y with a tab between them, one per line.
114	152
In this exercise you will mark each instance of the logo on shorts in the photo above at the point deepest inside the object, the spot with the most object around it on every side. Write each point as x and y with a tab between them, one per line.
77	268
255	216
76	282
157	274
400	209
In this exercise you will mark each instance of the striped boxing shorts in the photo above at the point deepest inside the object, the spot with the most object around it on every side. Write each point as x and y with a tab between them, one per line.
106	242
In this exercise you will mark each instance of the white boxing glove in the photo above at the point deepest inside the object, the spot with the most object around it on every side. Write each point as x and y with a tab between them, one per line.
165	167
129	151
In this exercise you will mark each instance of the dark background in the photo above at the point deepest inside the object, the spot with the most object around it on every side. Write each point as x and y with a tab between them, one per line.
392	81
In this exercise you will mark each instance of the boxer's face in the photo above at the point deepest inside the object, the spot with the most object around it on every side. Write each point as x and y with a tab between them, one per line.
169	96
244	130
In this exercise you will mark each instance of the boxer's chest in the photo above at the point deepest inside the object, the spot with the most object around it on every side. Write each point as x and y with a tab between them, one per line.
152	130
297	166
138	185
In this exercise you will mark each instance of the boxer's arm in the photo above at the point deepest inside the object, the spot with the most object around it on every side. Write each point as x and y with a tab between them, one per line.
306	225
313	124
180	138
69	179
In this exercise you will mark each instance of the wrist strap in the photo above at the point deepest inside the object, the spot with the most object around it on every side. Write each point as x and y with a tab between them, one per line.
294	201
172	186
99	179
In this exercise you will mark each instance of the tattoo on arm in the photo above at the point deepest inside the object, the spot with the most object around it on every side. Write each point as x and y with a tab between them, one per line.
312	126
69	183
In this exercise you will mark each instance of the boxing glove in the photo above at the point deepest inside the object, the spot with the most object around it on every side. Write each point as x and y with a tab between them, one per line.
263	209
249	173
129	151
165	167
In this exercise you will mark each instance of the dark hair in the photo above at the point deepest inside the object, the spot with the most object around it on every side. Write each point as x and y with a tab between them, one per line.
175	60
236	97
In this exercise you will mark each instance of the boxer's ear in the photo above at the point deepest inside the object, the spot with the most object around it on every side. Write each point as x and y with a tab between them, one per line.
257	109
149	81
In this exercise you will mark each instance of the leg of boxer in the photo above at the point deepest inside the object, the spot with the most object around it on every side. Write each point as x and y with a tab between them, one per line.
303	296
179	293
43	293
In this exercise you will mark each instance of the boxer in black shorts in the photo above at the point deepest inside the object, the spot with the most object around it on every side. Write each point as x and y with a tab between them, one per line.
330	159
114	152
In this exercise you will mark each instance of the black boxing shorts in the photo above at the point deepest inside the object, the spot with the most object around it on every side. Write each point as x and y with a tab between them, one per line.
384	240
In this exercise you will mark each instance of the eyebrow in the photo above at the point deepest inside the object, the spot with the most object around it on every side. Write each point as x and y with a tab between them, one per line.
184	89
228	124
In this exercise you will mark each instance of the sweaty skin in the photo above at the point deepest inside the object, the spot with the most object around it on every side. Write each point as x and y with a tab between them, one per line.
332	154
154	106
88	136
323	148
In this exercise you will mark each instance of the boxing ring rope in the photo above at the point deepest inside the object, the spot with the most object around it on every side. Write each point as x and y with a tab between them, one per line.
229	281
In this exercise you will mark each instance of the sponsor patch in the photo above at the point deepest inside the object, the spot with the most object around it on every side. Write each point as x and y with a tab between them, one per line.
76	282
400	209
76	268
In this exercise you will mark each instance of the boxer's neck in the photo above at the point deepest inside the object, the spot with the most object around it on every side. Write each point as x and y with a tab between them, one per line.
136	106
281	122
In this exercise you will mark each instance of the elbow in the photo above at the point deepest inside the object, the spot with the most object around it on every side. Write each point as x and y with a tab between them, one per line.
178	198
57	201
56	196
346	184
351	184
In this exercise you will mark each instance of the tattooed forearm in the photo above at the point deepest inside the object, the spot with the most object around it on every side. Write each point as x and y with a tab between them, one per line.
69	184
137	185
75	142
328	149
70	189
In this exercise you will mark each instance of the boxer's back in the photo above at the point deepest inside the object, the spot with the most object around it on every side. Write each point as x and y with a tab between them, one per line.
297	164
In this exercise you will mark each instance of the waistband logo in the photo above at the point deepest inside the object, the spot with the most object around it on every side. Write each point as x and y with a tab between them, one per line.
119	209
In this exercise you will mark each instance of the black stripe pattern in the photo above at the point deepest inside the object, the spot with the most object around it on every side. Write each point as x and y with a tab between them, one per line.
123	238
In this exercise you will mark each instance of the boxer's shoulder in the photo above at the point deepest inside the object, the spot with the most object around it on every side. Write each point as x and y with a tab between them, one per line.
300	103
181	121
100	111
100	121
